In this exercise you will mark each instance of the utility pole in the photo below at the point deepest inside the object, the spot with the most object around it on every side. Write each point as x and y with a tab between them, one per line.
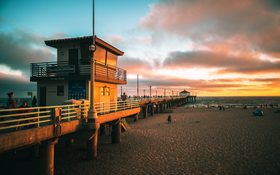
121	90
137	86
150	91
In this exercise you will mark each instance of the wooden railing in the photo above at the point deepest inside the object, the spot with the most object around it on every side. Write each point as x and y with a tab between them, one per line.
105	73
36	117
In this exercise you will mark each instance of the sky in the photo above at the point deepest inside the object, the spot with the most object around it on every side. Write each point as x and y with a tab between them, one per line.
208	47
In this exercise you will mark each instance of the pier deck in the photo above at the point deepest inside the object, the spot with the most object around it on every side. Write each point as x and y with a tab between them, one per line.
23	127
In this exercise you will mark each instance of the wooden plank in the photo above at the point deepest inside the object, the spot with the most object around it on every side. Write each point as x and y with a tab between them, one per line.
117	115
26	137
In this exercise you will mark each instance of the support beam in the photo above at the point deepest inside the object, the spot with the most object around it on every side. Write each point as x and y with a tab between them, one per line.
136	117
145	111
157	108
152	110
161	106
47	157
92	142
92	145
116	133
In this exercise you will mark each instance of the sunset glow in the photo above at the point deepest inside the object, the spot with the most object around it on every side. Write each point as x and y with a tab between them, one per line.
212	48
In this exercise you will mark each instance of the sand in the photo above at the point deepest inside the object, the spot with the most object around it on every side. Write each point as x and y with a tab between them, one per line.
201	141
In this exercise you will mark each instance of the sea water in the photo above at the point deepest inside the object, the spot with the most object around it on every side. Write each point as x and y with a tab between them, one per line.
19	101
237	101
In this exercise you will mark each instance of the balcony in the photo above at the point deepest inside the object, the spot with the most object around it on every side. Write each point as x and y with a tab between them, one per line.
62	70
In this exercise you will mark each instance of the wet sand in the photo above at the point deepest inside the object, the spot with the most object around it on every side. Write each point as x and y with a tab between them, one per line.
201	141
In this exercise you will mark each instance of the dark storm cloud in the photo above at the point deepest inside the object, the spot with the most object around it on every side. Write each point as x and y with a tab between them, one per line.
20	48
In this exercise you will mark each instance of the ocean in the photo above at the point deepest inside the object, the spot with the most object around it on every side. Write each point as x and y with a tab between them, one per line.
201	101
19	101
239	101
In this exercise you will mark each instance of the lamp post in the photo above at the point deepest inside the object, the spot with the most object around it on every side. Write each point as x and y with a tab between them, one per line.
93	124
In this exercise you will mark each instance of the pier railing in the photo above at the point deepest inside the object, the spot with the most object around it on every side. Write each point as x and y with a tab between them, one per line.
36	117
62	69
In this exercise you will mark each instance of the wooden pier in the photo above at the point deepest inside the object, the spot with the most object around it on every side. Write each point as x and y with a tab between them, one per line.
49	124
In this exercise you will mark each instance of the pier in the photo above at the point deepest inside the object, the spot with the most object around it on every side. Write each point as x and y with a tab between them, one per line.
25	127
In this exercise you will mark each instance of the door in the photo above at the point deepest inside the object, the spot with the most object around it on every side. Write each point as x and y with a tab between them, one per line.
73	59
43	96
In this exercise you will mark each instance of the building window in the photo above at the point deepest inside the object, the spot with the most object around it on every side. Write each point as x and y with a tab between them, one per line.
105	91
60	91
102	91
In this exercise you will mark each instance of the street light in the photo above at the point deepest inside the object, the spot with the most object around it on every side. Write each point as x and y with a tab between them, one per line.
93	124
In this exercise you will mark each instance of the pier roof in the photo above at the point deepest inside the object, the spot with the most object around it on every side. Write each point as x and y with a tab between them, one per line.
57	42
184	91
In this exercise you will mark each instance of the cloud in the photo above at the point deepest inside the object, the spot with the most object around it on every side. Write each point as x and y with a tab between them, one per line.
16	83
225	62
19	48
206	21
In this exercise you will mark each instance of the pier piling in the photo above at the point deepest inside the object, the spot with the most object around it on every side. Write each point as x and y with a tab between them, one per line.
47	157
116	133
145	111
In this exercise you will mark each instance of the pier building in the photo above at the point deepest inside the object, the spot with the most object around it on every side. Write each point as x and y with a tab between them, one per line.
69	76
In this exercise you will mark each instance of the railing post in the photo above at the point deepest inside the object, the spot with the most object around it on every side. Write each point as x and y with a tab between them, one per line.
68	113
56	114
38	116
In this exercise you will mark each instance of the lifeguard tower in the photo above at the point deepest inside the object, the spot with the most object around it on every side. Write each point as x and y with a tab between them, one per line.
69	76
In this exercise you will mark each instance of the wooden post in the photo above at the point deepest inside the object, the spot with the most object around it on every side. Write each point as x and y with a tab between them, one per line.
157	108
92	145
136	117
69	143
161	107
116	133
102	129
47	157
152	111
145	111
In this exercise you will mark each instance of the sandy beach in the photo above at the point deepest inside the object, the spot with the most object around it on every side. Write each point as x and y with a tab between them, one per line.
200	141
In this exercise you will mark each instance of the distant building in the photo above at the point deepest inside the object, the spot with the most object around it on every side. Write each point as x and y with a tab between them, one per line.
184	93
69	76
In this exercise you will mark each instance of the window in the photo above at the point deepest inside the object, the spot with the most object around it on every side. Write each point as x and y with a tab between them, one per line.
105	91
60	91
111	59
102	92
100	54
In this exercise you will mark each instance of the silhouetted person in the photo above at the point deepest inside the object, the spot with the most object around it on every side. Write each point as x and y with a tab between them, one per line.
11	101
124	97
169	119
24	105
34	101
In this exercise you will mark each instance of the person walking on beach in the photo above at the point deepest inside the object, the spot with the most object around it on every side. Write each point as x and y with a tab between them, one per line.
11	101
34	101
